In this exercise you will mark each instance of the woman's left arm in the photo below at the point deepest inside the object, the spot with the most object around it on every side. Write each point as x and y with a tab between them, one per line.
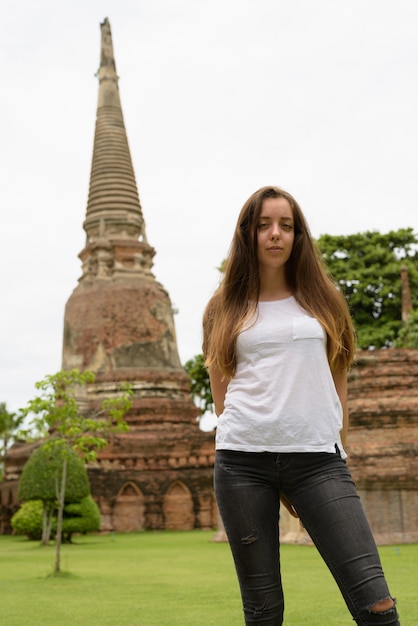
340	381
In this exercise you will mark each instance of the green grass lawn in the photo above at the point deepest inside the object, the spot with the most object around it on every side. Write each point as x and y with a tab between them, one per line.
171	578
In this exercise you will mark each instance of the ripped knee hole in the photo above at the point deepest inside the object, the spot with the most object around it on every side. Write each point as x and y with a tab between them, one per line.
383	606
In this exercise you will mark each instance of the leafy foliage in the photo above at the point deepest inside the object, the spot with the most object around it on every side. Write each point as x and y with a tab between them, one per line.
408	335
54	472
43	471
57	409
367	268
79	517
199	381
28	520
9	427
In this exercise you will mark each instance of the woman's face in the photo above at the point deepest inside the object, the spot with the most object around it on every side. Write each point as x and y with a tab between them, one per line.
275	233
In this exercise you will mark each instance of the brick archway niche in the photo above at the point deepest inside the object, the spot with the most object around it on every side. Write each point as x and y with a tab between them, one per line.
129	510
178	507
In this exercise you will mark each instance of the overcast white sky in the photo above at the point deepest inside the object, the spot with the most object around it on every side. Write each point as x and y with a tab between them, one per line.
219	98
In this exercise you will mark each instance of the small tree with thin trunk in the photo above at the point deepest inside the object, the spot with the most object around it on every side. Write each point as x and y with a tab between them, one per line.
56	413
41	478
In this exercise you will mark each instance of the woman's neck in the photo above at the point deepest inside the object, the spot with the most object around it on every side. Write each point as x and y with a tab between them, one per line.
272	288
274	295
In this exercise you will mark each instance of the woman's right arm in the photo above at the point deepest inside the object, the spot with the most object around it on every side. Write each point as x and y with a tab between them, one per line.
218	385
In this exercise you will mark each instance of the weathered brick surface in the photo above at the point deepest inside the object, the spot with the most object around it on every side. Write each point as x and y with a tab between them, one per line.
383	441
159	473
116	324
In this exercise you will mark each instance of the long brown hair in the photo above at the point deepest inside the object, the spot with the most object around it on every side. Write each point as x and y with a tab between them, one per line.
239	291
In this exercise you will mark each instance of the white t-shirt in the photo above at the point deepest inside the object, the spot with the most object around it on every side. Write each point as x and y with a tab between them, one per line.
282	397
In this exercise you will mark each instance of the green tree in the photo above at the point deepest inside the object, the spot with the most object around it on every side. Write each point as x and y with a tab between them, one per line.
199	383
367	268
28	520
79	517
56	412
408	335
42	476
10	424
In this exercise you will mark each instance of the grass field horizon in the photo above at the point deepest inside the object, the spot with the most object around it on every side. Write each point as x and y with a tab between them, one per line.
171	578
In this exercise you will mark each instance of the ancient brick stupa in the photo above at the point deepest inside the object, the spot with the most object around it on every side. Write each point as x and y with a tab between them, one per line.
119	323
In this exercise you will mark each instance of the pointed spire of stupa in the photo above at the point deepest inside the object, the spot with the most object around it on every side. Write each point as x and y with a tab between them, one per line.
114	224
119	319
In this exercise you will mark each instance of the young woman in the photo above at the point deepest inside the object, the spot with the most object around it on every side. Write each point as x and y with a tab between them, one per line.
278	341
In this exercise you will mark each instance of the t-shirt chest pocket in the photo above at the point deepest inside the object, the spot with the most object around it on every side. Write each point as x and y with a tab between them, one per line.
306	327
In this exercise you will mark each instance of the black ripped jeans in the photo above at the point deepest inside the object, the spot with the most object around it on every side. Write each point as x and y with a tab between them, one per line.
321	489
